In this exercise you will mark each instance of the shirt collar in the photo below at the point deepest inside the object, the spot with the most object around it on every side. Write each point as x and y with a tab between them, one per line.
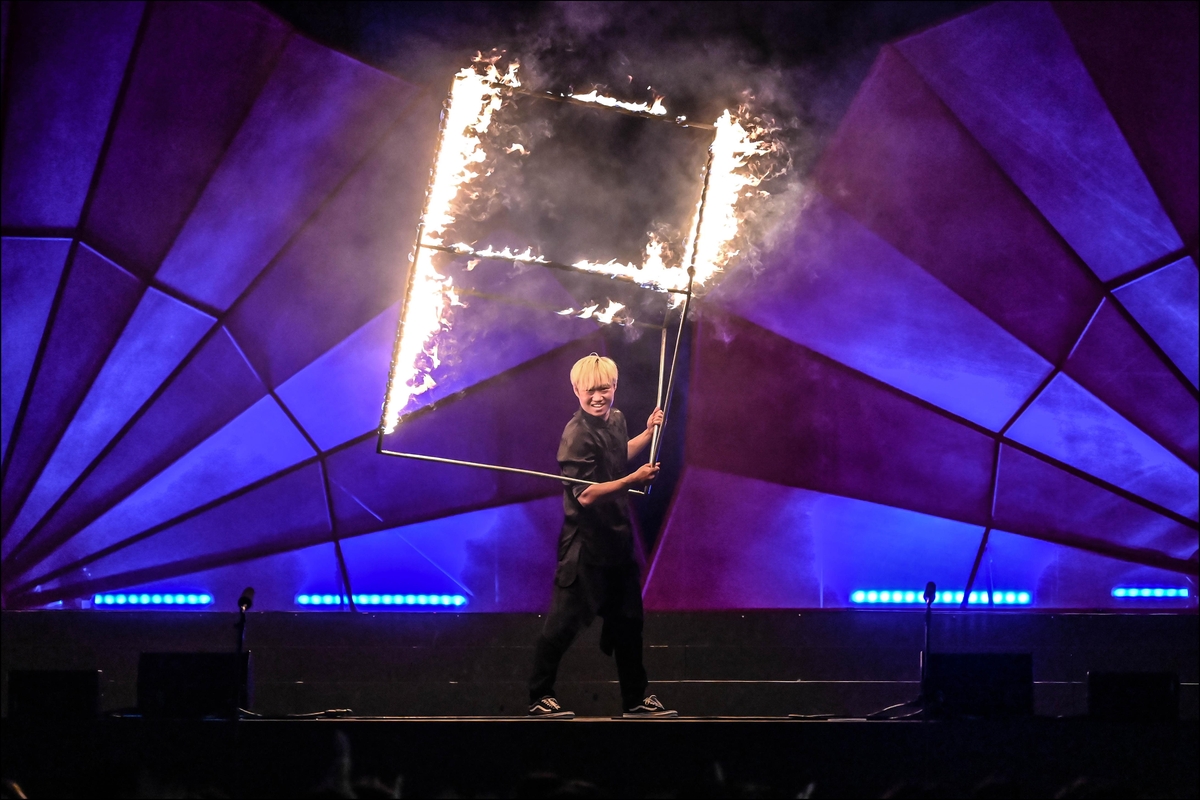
596	422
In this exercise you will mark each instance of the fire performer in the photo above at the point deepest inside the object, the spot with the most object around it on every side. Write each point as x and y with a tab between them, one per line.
597	574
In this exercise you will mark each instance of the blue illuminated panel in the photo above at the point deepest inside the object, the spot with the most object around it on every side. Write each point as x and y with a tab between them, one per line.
158	599
846	293
1149	592
384	600
1165	304
1071	424
904	597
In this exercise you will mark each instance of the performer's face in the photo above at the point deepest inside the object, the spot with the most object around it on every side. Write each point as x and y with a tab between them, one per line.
597	400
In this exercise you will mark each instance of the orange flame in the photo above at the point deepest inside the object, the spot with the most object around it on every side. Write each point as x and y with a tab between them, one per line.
475	96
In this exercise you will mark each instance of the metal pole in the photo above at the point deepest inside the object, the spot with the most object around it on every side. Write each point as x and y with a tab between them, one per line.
687	300
658	398
575	101
550	264
416	253
496	467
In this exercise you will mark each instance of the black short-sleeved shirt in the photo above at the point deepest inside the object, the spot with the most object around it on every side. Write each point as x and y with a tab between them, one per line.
597	450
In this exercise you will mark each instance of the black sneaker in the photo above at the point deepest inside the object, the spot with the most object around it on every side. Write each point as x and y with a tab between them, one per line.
549	708
650	707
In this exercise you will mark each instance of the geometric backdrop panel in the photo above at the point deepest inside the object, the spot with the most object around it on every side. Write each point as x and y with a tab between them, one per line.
970	357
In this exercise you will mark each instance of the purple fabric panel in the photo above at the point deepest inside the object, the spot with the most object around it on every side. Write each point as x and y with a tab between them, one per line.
500	559
382	491
1010	74
1114	363
348	264
198	71
1063	577
31	271
259	442
1040	500
849	295
67	61
214	387
734	542
97	302
286	514
1166	303
385	563
1143	57
766	408
1070	424
905	167
515	419
338	396
276	580
489	336
160	333
318	114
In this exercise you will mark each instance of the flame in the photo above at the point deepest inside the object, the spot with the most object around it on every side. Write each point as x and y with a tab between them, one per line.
605	317
710	240
474	99
475	96
656	108
728	179
525	255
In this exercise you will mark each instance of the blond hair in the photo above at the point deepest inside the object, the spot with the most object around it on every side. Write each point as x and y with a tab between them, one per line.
593	370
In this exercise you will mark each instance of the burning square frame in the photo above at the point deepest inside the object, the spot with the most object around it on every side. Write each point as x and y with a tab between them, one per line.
475	95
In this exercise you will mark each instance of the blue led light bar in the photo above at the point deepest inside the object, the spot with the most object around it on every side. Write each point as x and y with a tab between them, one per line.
153	599
903	597
1150	592
382	599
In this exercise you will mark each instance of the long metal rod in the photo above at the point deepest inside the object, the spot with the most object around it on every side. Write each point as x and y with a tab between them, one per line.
687	300
416	254
575	101
512	301
658	398
495	467
550	264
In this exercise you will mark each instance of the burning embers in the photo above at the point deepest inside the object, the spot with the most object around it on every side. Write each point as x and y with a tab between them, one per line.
461	167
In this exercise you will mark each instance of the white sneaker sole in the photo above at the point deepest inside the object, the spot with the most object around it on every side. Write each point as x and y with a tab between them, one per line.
649	714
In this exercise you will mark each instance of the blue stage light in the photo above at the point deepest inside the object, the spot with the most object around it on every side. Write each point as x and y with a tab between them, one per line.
1151	592
383	600
905	597
138	599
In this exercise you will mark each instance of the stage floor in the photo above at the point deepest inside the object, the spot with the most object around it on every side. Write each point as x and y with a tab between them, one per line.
496	756
760	663
434	694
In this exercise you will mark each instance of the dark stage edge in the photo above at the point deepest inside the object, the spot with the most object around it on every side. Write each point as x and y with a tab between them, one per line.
746	664
491	757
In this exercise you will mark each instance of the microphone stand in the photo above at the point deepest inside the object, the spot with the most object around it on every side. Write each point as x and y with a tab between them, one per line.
244	603
241	626
923	704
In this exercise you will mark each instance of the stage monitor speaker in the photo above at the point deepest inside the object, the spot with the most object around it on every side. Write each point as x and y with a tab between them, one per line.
981	684
54	694
1133	696
193	685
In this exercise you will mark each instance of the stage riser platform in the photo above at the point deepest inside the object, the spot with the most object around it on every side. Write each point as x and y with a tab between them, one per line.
753	663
